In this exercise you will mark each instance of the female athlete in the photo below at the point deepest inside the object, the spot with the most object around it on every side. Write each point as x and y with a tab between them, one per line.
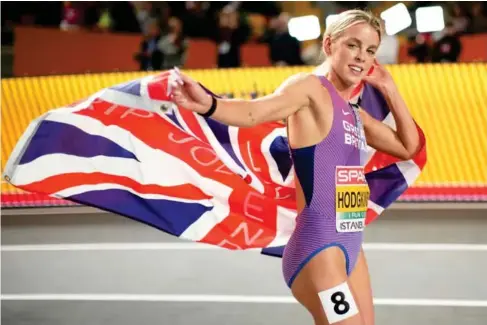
323	263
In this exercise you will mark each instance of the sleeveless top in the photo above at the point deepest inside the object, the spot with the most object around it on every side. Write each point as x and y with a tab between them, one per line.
331	173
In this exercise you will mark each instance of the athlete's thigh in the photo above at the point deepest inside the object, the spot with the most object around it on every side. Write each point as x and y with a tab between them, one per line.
326	272
362	290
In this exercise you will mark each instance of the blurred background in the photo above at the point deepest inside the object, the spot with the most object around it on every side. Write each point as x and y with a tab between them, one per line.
144	35
68	264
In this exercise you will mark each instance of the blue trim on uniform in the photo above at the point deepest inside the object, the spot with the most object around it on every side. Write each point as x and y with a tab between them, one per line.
304	161
314	253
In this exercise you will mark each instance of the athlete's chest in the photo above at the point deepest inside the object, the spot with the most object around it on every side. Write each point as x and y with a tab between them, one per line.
352	127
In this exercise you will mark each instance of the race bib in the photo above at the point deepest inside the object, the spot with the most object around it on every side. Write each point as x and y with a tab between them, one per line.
352	197
338	303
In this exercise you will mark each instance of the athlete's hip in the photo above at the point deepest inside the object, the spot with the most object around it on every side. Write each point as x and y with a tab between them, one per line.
312	238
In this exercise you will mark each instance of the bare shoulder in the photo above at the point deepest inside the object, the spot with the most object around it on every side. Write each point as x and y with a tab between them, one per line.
302	81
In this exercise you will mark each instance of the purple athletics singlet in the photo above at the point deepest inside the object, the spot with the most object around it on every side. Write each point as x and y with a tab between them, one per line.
332	177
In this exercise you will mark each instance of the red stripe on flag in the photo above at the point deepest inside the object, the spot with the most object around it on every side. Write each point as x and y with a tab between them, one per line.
58	183
371	216
357	89
157	86
255	160
380	160
421	157
158	133
257	227
193	124
258	164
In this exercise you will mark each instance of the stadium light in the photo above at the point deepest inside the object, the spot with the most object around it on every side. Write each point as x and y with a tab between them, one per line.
396	18
430	19
304	28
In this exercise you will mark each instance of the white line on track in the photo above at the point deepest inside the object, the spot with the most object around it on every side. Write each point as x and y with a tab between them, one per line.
228	299
198	246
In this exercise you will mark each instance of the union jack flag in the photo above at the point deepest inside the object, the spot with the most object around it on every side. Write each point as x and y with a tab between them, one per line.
129	150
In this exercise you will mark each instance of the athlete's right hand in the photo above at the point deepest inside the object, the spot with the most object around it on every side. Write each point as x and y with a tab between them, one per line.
187	93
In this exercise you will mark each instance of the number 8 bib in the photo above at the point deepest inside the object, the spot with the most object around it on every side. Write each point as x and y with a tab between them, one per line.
338	303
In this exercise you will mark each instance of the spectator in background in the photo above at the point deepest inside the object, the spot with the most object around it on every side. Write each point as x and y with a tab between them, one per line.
92	15
284	48
478	23
106	16
231	34
266	8
173	45
150	56
162	12
124	18
459	19
105	21
449	47
72	15
419	48
143	13
197	22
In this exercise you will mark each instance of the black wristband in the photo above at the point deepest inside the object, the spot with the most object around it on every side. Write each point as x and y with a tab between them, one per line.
212	108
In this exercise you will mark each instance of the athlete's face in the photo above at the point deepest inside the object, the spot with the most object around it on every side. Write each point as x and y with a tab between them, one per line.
353	53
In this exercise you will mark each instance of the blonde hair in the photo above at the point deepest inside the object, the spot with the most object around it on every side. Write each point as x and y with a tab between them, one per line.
349	18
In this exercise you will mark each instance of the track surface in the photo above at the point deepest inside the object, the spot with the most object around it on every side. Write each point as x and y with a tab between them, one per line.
121	272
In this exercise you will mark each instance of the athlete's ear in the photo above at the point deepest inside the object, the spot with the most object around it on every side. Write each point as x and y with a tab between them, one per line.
327	46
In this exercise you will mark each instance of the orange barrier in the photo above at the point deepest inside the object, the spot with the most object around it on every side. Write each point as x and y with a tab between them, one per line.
46	51
474	48
201	54
255	55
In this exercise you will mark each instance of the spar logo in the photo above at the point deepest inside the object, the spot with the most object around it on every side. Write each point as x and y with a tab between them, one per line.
350	176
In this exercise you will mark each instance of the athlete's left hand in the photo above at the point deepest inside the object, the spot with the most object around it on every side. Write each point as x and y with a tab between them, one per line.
380	78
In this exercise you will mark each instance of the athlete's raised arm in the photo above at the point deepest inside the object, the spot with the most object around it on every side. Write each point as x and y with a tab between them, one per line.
294	94
402	143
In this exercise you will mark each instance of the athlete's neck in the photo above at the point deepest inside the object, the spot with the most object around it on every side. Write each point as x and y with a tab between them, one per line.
344	90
